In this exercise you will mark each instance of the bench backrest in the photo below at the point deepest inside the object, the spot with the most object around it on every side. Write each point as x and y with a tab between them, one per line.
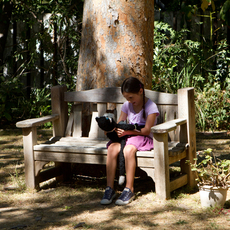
99	100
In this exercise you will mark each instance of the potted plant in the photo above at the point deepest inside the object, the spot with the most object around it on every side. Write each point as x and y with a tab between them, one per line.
212	178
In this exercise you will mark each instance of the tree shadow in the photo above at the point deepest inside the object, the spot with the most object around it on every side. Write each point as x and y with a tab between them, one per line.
56	207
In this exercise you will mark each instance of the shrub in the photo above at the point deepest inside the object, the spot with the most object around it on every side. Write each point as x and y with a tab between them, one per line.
179	62
13	101
176	61
14	104
212	108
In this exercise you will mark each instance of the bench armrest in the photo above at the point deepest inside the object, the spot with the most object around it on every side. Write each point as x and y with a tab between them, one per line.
168	126
36	121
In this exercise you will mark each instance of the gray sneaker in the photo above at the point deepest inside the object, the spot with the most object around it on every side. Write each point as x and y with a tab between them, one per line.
109	195
126	197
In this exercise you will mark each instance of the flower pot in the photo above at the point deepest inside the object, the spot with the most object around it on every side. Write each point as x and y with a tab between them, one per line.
212	196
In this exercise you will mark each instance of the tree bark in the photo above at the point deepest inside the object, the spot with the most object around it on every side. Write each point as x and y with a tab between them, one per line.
117	42
5	18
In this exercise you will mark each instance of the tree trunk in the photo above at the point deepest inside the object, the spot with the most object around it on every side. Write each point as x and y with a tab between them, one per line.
117	42
5	17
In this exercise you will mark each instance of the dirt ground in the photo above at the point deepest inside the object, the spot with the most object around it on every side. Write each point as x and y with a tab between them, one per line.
76	204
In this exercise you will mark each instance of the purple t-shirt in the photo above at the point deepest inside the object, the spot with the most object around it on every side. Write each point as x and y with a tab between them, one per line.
133	117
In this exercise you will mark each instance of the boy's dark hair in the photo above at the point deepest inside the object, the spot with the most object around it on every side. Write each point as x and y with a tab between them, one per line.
133	85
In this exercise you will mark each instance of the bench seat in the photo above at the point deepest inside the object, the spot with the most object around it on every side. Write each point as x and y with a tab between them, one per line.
71	150
90	147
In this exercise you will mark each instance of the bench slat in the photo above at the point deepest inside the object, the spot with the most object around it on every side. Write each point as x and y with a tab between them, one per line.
72	149
71	157
87	158
86	145
178	182
113	95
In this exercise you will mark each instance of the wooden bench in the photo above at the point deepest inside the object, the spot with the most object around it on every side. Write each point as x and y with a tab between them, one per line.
174	137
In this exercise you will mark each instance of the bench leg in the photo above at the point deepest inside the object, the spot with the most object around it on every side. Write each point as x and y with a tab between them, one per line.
161	163
29	140
186	109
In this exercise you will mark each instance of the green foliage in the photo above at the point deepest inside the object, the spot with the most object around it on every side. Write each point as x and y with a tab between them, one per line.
40	101
61	58
213	98
211	170
224	13
63	20
222	57
12	100
14	104
188	10
179	62
175	60
212	108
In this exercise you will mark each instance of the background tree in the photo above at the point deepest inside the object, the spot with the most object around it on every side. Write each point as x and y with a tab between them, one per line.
41	50
116	42
6	8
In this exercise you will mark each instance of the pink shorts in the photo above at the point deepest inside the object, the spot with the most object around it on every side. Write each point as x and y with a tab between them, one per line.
142	143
